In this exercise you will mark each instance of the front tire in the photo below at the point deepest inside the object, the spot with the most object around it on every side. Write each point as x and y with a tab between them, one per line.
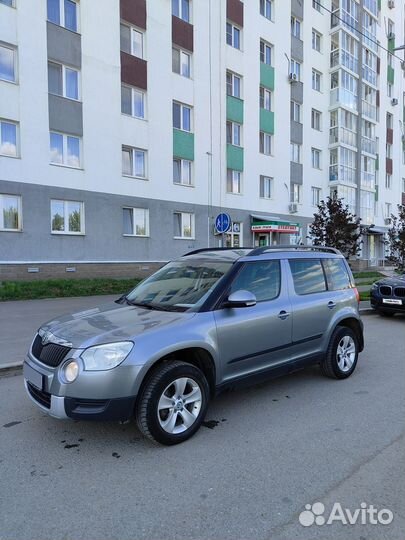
173	403
342	354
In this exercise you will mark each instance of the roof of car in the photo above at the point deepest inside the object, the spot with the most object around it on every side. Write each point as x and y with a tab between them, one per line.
233	254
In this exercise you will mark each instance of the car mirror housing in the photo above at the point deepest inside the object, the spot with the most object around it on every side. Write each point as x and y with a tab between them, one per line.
241	299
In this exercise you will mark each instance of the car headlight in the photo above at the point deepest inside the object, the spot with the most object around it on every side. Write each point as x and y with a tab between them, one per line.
104	357
70	371
374	286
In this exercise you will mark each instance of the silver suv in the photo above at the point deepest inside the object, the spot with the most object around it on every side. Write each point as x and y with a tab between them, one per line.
206	321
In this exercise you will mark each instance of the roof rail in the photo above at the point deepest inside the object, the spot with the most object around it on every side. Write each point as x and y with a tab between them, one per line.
202	250
292	247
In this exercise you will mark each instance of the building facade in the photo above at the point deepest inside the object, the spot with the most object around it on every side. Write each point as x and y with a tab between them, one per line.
127	128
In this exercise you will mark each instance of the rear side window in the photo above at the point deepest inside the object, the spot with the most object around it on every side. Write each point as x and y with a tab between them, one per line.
262	278
308	276
336	274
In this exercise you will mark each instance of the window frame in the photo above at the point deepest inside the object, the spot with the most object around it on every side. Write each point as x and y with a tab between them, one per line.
234	28
295	68
133	89
132	150
133	29
232	84
230	178
182	52
234	125
264	262
82	231
296	27
294	107
316	39
64	68
263	137
316	78
262	54
316	114
182	162
316	152
181	14
65	137
14	50
62	21
147	223
17	138
182	107
192	225
262	99
19	213
315	201
295	152
270	184
262	8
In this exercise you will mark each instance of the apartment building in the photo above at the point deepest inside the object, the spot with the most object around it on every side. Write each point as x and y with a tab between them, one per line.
127	128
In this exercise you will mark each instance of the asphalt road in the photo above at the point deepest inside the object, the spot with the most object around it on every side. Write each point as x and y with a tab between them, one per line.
275	448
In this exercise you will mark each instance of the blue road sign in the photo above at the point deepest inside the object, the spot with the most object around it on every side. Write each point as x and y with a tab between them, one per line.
222	223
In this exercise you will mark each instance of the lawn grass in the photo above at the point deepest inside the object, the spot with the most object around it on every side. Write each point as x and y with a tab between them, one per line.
59	288
365	295
360	275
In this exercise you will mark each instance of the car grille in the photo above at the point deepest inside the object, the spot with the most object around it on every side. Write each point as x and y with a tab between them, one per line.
50	354
400	291
43	398
385	290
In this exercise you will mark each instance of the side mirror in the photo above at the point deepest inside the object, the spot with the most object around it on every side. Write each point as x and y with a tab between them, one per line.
240	299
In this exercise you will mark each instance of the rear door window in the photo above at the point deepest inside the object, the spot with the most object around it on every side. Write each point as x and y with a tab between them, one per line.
336	274
262	278
308	276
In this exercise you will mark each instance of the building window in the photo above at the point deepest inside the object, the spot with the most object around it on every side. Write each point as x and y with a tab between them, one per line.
295	111
63	13
233	84
181	116
181	9
63	81
316	40
132	41
184	225
295	153
316	80
315	196
67	217
266	9
8	60
296	27
133	102
135	221
10	213
182	172
403	185
390	121
388	151
388	181
265	143
181	63
234	181
266	187
133	162
266	53
316	119
265	98
295	69
8	139
233	34
295	195
233	133
387	210
9	3
389	89
316	158
234	235
317	4
65	150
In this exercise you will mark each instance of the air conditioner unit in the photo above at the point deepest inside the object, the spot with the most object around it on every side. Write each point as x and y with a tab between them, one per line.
394	101
391	4
292	77
391	35
293	208
387	221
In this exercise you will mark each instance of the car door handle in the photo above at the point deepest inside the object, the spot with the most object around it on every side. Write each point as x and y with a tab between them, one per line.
331	304
283	315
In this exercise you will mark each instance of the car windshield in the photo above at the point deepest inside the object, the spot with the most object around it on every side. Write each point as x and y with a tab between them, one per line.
180	285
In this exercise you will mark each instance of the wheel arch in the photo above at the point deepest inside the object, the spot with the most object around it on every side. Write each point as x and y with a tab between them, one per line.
355	325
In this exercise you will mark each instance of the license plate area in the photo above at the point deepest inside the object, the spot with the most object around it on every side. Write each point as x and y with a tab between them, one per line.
33	376
392	301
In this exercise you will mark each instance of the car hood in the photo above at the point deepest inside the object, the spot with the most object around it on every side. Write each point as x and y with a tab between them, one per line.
396	281
109	323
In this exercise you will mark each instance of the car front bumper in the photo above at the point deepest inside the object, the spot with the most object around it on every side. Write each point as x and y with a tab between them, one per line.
377	302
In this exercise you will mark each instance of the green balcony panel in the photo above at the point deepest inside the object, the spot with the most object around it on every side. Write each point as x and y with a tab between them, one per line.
183	144
377	162
391	45
390	75
379	5
234	109
267	121
266	76
234	157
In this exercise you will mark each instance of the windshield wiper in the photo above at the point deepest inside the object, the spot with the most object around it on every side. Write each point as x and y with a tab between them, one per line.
147	305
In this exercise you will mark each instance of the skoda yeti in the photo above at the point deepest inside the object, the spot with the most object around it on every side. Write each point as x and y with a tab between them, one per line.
203	322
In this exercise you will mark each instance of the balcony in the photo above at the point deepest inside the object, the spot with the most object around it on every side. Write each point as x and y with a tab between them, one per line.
341	135
342	174
367	180
343	97
369	110
369	145
369	75
344	58
372	6
341	16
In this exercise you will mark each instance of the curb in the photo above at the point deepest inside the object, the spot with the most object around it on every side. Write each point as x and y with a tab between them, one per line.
11	366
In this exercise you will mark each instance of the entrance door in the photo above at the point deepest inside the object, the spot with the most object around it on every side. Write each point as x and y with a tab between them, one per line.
372	250
264	239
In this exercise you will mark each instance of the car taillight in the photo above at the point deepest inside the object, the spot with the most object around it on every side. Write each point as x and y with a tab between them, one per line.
356	292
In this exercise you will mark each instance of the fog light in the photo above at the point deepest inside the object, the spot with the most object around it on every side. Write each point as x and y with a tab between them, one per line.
71	371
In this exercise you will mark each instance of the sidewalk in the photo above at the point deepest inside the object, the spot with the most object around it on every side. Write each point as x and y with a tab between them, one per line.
19	320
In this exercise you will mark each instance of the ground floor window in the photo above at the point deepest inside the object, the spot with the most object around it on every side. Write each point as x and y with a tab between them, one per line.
10	212
233	238
135	221
67	217
184	226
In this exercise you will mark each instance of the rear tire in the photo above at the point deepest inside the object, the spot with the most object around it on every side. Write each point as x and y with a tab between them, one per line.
173	403
342	354
385	313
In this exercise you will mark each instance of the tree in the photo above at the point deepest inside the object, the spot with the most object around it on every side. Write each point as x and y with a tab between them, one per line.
335	226
396	239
